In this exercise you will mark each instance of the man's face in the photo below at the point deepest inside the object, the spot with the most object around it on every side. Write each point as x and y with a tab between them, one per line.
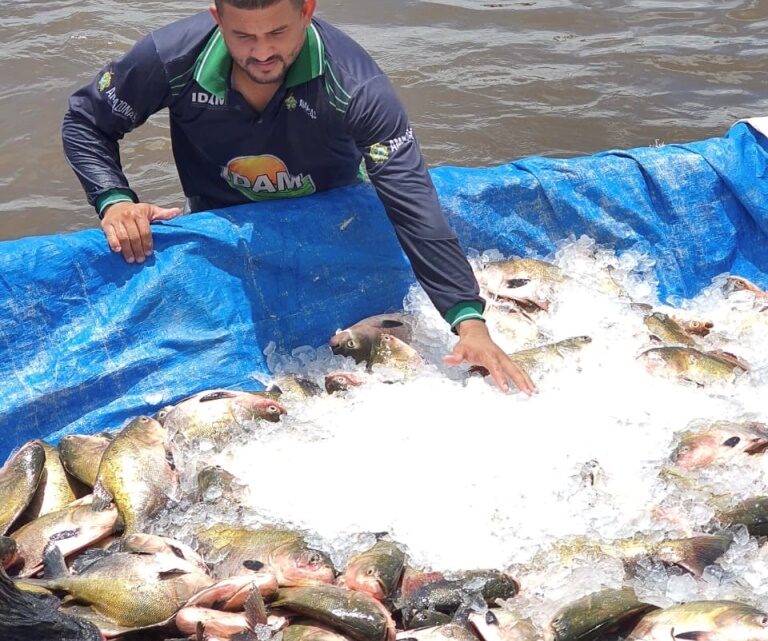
265	42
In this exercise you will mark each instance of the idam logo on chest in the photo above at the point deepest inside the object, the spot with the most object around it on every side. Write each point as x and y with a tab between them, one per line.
266	177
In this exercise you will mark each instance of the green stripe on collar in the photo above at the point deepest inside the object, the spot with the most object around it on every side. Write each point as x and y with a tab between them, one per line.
309	63
214	64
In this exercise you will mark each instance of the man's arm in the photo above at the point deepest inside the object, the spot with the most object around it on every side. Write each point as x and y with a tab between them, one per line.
379	124
121	97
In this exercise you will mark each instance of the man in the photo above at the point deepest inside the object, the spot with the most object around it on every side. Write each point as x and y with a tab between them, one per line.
266	101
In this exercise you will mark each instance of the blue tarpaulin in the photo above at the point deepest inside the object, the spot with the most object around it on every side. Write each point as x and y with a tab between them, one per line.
88	341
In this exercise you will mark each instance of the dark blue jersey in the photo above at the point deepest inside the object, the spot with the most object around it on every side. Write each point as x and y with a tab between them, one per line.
334	108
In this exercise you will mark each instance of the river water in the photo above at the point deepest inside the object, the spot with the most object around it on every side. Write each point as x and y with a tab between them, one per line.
484	82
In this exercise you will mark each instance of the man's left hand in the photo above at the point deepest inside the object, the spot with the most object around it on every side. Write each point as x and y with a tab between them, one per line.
475	346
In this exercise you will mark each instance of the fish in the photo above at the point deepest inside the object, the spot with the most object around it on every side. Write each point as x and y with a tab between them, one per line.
357	341
551	354
210	414
355	614
446	595
446	632
9	552
376	571
214	483
214	623
230	594
341	382
692	553
308	630
718	442
56	489
703	621
142	543
528	282
81	454
739	284
127	590
233	550
207	623
752	513
137	473
19	478
29	617
71	529
390	351
544	357
295	387
596	614
499	624
694	327
667	330
692	365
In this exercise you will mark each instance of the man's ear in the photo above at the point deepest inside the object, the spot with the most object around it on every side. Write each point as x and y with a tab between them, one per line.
215	13
308	10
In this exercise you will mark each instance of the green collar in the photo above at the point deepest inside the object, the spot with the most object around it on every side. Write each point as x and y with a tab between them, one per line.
214	64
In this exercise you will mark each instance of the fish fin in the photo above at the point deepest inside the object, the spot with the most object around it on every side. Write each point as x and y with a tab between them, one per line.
255	610
696	636
170	574
101	497
54	564
253	564
215	396
479	370
200	634
65	534
491	618
729	358
169	459
380	535
703	551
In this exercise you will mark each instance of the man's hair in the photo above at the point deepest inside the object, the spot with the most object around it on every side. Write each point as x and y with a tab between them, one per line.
254	4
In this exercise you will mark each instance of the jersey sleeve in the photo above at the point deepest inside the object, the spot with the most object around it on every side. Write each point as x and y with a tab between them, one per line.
395	165
121	97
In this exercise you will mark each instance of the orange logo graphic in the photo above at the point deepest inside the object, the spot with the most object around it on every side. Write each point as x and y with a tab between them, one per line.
266	178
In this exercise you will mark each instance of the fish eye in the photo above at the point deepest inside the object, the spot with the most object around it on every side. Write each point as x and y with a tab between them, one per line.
273	409
732	442
370	571
352	344
763	621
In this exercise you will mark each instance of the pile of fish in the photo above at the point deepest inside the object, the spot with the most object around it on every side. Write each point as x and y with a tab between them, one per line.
89	550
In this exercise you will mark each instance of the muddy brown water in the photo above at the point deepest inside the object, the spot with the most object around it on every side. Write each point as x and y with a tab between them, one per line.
484	82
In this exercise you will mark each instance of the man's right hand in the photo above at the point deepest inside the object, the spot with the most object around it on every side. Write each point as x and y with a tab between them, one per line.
126	226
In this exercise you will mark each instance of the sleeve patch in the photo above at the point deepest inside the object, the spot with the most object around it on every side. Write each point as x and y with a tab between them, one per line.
105	81
381	151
